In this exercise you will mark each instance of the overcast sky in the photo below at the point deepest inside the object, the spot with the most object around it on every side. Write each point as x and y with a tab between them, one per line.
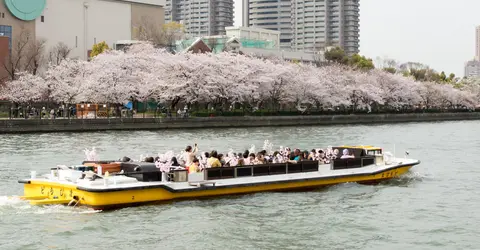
439	33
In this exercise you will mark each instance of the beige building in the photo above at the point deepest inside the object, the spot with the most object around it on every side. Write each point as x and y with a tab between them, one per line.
8	22
79	24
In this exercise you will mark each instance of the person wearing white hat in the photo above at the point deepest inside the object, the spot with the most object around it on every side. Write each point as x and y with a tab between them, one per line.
346	154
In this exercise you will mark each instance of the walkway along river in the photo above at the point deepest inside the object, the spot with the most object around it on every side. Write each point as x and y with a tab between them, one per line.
64	125
434	207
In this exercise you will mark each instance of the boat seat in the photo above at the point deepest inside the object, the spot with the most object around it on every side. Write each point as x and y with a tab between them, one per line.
201	183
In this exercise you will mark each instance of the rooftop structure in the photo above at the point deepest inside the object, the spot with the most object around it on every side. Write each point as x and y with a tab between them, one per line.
251	40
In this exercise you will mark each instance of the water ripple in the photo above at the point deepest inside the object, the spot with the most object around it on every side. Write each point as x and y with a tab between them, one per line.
434	206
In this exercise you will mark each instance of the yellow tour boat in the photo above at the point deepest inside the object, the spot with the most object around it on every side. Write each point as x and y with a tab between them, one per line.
107	185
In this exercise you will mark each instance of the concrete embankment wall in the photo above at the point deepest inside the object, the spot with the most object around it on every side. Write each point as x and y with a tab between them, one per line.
79	125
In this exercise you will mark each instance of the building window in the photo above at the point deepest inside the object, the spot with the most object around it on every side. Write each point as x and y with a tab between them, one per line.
42	19
7	31
3	15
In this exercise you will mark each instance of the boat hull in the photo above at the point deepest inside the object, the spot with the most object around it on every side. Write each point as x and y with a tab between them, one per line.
104	199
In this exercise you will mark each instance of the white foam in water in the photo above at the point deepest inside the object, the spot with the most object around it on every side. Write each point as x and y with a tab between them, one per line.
61	209
10	200
15	205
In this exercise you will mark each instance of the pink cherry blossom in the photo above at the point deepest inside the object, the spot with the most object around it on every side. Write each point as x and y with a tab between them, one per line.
221	80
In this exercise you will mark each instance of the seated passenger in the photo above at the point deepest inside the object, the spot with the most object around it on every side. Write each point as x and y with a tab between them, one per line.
195	167
259	159
266	157
322	157
221	158
246	159
311	156
149	159
335	153
213	161
277	157
304	155
346	155
241	161
175	162
295	156
251	158
203	159
298	155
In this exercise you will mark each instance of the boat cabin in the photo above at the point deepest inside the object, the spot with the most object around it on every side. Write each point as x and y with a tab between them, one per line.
358	156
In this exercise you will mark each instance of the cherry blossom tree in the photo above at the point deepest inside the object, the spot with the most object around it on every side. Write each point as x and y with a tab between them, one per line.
143	72
67	80
26	88
112	78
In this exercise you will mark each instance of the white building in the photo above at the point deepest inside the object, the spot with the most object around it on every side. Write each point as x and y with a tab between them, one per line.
81	24
200	17
472	68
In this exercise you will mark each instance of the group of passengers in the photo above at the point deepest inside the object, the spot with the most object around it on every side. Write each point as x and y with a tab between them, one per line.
214	159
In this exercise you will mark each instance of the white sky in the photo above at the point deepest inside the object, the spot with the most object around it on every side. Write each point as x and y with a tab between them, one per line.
439	33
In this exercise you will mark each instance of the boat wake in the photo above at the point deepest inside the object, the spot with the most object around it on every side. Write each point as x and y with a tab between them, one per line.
408	179
15	205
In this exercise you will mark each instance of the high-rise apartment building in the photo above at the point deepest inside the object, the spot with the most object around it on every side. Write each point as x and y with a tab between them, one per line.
477	44
200	17
314	24
272	15
472	68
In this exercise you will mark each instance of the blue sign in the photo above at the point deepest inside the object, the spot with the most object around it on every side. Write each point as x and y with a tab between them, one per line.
26	10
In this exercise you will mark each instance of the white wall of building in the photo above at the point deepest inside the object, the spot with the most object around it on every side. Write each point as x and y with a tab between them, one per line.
80	24
472	68
254	33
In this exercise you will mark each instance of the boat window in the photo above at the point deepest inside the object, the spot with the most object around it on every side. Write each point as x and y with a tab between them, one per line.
374	152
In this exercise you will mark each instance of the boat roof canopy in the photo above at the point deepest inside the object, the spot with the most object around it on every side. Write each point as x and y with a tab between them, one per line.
362	147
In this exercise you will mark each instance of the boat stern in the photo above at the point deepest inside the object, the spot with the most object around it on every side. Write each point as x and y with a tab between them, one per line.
42	192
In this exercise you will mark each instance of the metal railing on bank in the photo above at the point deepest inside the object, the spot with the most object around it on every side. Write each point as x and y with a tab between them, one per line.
123	113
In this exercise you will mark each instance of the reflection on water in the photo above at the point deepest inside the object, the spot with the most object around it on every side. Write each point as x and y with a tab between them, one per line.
433	206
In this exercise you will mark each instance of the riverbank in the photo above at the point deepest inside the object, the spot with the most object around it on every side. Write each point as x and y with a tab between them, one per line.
83	125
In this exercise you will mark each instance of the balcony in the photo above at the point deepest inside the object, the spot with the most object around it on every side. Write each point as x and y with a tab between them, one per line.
256	5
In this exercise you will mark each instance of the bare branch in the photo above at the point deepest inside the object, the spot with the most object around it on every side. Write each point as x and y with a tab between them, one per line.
159	35
35	56
58	53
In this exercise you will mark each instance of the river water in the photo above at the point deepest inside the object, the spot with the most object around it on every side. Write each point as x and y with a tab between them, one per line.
435	206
